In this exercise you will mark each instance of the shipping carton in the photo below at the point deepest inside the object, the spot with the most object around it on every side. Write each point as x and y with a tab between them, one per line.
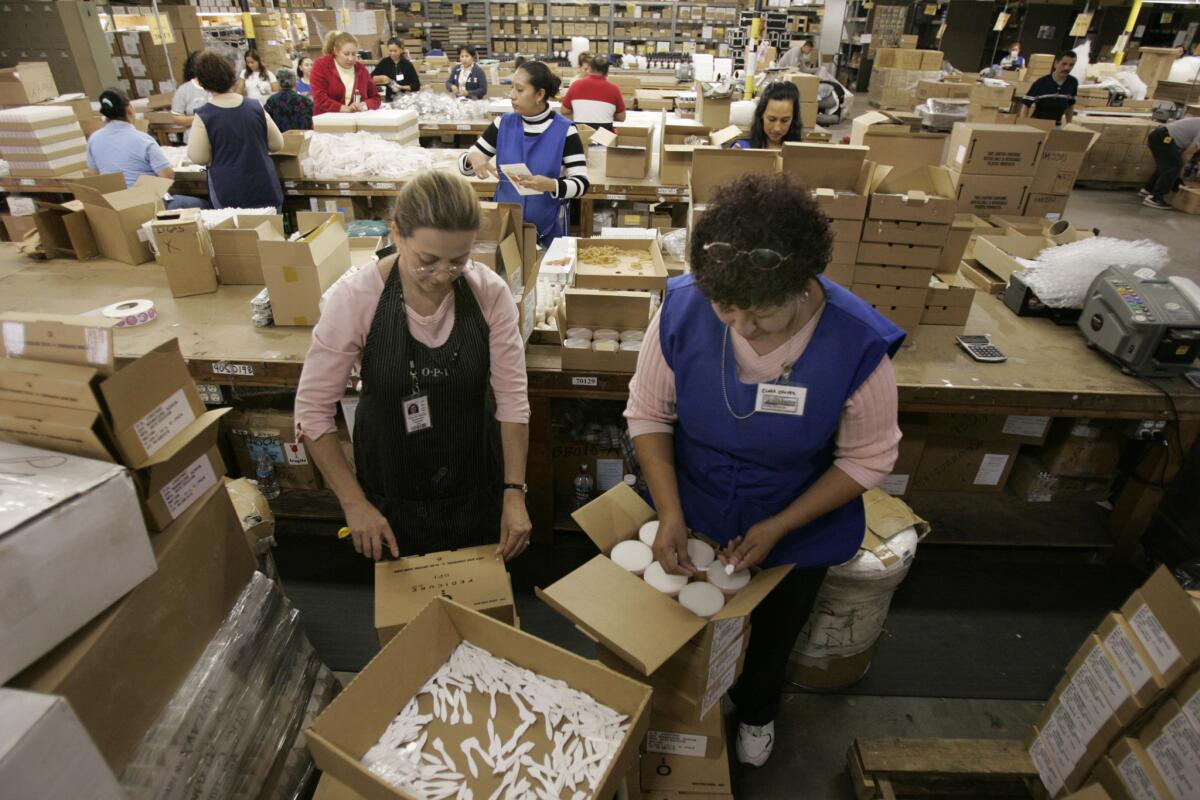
899	481
1125	650
645	627
473	577
185	251
667	736
690	776
877	274
1082	448
895	140
602	308
1173	746
900	255
824	166
1044	205
639	265
1166	621
298	272
53	406
116	213
847	204
1020	428
891	296
990	96
964	465
27	83
675	156
103	670
354	722
1128	772
713	167
628	150
73	538
964	227
712	112
923	194
252	433
59	338
64	230
980	149
928	235
235	248
950	290
990	194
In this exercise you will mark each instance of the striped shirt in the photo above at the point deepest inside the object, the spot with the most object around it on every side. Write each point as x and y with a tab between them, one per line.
574	176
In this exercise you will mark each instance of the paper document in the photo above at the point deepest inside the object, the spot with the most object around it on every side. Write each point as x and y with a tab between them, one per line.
520	171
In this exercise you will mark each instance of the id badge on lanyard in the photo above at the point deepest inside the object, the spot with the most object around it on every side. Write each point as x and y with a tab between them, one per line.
416	406
785	399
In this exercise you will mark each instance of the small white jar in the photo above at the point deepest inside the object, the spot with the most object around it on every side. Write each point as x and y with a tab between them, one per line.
669	585
631	347
635	335
648	532
577	343
579	333
632	555
700	553
729	584
605	346
606	335
702	599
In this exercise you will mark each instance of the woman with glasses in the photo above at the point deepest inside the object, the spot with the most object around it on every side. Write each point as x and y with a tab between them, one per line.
436	466
764	405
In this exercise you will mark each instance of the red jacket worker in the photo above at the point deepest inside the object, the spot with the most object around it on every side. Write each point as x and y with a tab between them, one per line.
339	80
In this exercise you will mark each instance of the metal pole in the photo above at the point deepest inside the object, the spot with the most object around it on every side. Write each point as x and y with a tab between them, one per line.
1129	25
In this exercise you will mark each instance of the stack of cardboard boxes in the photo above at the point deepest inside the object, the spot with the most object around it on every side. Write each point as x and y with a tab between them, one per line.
992	166
897	75
163	56
42	141
67	36
1058	167
187	28
1120	154
1154	65
1126	714
272	43
897	139
990	103
969	452
1077	462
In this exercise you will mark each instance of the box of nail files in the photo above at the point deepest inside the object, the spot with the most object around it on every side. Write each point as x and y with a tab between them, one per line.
460	699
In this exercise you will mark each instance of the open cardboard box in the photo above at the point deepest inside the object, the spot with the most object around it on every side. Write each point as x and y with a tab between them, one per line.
473	577
922	194
298	272
675	156
650	274
713	167
356	719
185	251
999	254
288	159
235	247
64	230
824	166
602	308
958	239
897	140
628	150
624	613
116	213
45	404
839	204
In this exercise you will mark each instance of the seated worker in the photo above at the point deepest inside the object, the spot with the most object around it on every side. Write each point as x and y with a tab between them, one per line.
120	147
291	110
776	118
803	57
1053	96
1014	60
593	99
397	73
467	78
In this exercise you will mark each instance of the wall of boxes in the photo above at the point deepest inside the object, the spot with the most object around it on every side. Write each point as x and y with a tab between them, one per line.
66	36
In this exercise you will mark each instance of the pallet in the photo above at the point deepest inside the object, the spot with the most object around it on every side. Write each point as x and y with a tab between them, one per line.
883	769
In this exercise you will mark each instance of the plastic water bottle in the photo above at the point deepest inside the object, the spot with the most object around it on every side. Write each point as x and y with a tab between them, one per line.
583	486
357	97
265	476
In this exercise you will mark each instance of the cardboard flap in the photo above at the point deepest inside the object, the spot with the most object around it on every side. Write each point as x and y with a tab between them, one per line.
623	612
67	430
510	258
69	206
613	517
887	515
745	601
606	308
152	186
60	385
91	190
679	148
200	434
604	137
834	166
726	135
933	181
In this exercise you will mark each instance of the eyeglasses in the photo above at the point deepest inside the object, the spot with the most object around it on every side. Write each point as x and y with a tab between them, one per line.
452	269
760	258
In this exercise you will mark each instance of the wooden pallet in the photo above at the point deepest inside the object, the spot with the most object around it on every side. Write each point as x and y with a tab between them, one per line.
882	769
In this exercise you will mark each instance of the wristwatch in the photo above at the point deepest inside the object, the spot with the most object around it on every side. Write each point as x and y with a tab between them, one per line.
521	487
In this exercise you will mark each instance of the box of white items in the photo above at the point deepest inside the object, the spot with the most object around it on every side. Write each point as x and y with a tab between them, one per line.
38	730
73	540
642	624
481	704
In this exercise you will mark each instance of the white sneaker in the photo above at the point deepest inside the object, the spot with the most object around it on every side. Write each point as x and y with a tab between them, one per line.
754	743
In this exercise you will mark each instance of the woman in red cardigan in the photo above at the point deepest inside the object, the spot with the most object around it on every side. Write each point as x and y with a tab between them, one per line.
339	81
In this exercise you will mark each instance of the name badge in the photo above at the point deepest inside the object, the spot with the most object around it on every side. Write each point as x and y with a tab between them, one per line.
416	413
776	399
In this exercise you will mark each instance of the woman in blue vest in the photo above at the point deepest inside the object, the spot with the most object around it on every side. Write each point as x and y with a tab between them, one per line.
764	405
776	118
546	142
233	138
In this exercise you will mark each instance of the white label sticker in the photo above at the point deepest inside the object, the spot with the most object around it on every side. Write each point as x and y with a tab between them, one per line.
961	154
713	696
463	126
1154	638
1185	741
1017	425
1126	657
1134	776
721	663
95	345
786	400
1045	766
724	632
226	368
343	185
585	381
14	338
1110	684
991	469
676	744
21	206
294	453
1073	743
163	422
1192	710
895	485
186	487
1087	722
1169	762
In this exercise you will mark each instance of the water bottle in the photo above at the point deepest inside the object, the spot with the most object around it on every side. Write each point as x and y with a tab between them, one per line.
357	97
583	486
265	476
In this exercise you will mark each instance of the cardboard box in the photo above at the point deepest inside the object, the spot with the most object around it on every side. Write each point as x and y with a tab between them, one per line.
1128	772
1043	205
1166	621
851	204
601	308
713	167
877	274
253	509
990	96
103	671
964	227
74	539
251	433
1173	746
950	290
472	577
904	317
642	625
928	235
64	230
951	464
1124	649
849	231
185	251
841	274
627	151
340	736
998	254
890	296
38	727
711	112
27	83
116	213
990	194
667	736
896	140
235	248
642	269
1082	448
981	149
900	255
1043	762
688	775
899	481
923	194
298	272
675	157
1019	428
59	338
52	406
824	166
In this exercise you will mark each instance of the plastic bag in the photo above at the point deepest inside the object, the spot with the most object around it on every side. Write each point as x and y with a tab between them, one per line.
673	243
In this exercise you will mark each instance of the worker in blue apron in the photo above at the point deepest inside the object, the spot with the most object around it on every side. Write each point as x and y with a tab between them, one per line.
763	356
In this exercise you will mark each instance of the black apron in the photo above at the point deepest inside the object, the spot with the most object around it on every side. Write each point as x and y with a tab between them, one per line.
439	488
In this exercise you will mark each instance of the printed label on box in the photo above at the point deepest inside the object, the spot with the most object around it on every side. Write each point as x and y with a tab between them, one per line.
14	338
1154	638
163	422
186	487
1192	710
609	472
1185	741
95	345
895	485
722	662
1110	684
991	469
1057	746
1169	763
1086	721
1017	425
1135	672
724	632
1071	743
717	691
294	453
676	744
1045	766
1136	780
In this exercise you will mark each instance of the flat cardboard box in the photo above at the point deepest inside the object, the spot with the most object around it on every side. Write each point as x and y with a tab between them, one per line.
298	272
1173	746
1043	205
642	625
890	296
877	274
964	465
235	248
59	338
116	213
473	577
118	693
1127	772
73	538
1166	621
185	252
34	414
36	729
895	232
353	722
846	230
251	433
899	255
1137	669
713	167
667	736
27	83
964	227
977	148
922	194
824	166
64	230
691	776
602	308
895	141
990	194
649	273
945	315
904	317
998	254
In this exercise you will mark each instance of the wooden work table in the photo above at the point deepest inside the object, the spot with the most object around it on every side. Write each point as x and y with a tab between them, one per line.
1049	370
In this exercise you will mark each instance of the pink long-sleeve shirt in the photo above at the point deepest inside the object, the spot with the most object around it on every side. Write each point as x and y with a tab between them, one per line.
868	437
341	333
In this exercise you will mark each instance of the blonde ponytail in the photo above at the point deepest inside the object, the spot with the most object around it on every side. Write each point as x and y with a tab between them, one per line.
335	39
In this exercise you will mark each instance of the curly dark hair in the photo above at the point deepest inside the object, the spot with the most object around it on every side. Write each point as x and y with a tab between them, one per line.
779	90
214	72
774	212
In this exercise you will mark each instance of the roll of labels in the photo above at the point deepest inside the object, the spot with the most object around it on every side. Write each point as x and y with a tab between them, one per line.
130	313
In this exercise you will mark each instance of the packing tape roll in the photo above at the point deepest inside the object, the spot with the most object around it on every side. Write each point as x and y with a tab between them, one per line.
1062	232
130	313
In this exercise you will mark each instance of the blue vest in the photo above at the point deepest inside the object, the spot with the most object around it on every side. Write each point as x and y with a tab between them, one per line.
241	173
543	154
734	473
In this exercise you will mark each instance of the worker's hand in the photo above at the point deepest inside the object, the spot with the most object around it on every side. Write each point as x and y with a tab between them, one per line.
406	88
538	183
370	531
752	549
361	105
481	164
515	527
670	548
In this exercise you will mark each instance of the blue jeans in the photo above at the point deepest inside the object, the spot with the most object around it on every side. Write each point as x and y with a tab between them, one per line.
179	201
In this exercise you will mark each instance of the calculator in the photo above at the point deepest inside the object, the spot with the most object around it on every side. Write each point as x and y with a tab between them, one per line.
981	348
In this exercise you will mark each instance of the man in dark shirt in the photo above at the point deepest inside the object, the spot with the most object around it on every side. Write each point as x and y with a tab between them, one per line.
1053	96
